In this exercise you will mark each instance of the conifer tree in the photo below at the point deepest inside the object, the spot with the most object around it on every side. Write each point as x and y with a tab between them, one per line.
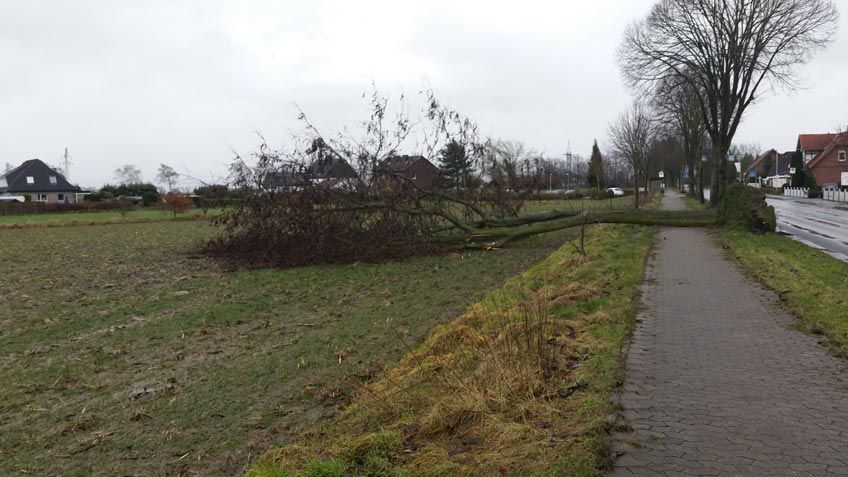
456	165
596	168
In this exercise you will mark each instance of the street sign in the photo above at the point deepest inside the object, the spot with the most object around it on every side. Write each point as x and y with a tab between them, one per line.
662	174
792	170
731	158
752	173
845	179
738	167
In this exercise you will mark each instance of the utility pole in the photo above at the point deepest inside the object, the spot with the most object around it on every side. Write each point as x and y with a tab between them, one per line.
66	165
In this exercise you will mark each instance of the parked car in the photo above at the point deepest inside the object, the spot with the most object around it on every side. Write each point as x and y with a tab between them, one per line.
615	191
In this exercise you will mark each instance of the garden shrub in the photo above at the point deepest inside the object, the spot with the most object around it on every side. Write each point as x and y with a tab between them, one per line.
149	198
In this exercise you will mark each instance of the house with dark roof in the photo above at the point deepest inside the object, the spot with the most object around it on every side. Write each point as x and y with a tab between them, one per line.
416	169
40	181
328	172
333	169
771	168
830	166
811	145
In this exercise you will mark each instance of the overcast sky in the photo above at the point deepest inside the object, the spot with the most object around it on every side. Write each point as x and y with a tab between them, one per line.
186	82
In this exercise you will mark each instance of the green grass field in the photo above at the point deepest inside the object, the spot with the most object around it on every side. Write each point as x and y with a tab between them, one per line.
104	216
123	352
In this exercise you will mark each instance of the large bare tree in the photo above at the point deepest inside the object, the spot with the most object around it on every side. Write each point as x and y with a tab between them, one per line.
728	51
631	136
677	105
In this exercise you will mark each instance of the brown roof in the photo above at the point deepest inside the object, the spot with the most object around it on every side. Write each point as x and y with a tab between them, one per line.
838	140
759	160
814	142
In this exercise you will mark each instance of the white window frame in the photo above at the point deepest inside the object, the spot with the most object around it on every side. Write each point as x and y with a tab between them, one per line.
841	156
30	180
61	197
53	180
41	197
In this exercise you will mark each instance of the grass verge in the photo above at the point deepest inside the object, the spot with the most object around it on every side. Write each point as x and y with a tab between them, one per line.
518	385
810	283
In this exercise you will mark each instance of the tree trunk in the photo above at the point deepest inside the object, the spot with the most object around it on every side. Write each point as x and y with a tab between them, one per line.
496	238
636	185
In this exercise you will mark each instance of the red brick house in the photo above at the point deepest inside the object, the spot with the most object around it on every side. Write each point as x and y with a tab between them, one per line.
830	164
811	145
416	169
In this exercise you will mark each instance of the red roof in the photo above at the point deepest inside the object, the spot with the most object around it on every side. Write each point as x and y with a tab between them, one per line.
814	142
838	140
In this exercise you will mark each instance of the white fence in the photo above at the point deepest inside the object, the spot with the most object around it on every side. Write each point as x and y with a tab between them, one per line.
796	192
755	185
835	195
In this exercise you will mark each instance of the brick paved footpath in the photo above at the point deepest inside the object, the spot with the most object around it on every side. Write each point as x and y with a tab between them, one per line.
718	383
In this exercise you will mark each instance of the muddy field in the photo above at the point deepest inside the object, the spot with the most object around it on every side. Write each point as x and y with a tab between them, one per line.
122	352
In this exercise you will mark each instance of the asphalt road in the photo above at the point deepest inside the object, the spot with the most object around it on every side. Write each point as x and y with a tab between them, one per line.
815	222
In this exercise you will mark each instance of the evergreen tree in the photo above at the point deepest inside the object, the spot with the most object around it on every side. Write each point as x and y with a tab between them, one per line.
798	179
596	168
456	165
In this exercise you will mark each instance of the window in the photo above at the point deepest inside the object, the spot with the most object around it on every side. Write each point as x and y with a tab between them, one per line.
53	180
841	156
61	197
30	180
42	197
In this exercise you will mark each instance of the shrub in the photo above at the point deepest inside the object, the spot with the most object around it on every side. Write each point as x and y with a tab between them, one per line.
149	198
174	202
815	190
745	207
27	198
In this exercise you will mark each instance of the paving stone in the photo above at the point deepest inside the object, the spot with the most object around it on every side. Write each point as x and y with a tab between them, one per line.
719	382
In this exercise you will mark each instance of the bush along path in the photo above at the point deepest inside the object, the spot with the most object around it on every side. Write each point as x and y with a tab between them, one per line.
717	380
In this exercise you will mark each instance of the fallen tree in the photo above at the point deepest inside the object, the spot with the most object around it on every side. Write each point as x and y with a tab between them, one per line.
350	198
